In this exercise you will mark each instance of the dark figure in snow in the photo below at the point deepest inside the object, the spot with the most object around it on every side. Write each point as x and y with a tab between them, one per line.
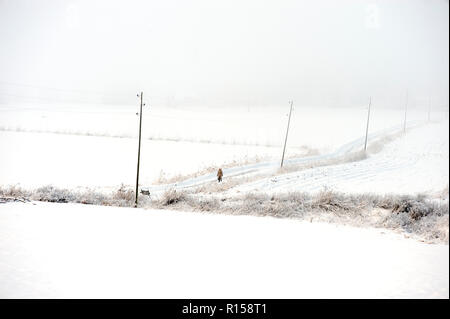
219	175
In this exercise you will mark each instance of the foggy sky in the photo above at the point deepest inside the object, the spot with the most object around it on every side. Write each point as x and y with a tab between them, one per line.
329	53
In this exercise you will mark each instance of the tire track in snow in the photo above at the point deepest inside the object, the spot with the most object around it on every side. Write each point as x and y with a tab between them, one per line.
313	178
330	177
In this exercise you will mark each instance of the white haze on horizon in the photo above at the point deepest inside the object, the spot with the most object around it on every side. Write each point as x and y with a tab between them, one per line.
225	53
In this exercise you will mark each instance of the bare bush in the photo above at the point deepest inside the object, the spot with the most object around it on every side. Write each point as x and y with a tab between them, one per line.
208	205
124	195
50	193
329	201
13	191
171	197
91	197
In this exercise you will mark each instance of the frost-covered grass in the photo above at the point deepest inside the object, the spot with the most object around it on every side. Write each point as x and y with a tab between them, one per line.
164	179
122	197
419	215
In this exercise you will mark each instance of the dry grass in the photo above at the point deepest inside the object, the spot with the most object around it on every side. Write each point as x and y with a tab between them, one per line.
124	194
164	179
226	184
373	148
172	197
348	158
14	191
418	215
123	197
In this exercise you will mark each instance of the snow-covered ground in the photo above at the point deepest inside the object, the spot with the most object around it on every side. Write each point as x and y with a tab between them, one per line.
416	162
36	159
70	250
319	128
85	154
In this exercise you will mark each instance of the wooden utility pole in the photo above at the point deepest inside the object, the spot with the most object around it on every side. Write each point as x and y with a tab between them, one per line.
139	151
406	109
367	126
287	131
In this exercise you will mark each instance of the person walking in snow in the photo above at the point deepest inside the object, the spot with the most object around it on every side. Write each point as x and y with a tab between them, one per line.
219	175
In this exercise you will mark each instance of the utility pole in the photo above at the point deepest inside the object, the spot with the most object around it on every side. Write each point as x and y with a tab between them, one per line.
139	151
287	131
406	109
367	126
429	109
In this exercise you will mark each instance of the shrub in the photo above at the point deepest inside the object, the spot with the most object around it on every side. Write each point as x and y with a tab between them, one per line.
124	194
171	197
50	193
13	191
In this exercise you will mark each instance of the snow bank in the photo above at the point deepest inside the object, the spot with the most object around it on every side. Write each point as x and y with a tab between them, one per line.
69	250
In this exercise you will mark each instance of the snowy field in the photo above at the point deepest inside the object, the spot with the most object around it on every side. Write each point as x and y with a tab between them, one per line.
36	159
87	151
69	250
411	164
322	129
203	87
